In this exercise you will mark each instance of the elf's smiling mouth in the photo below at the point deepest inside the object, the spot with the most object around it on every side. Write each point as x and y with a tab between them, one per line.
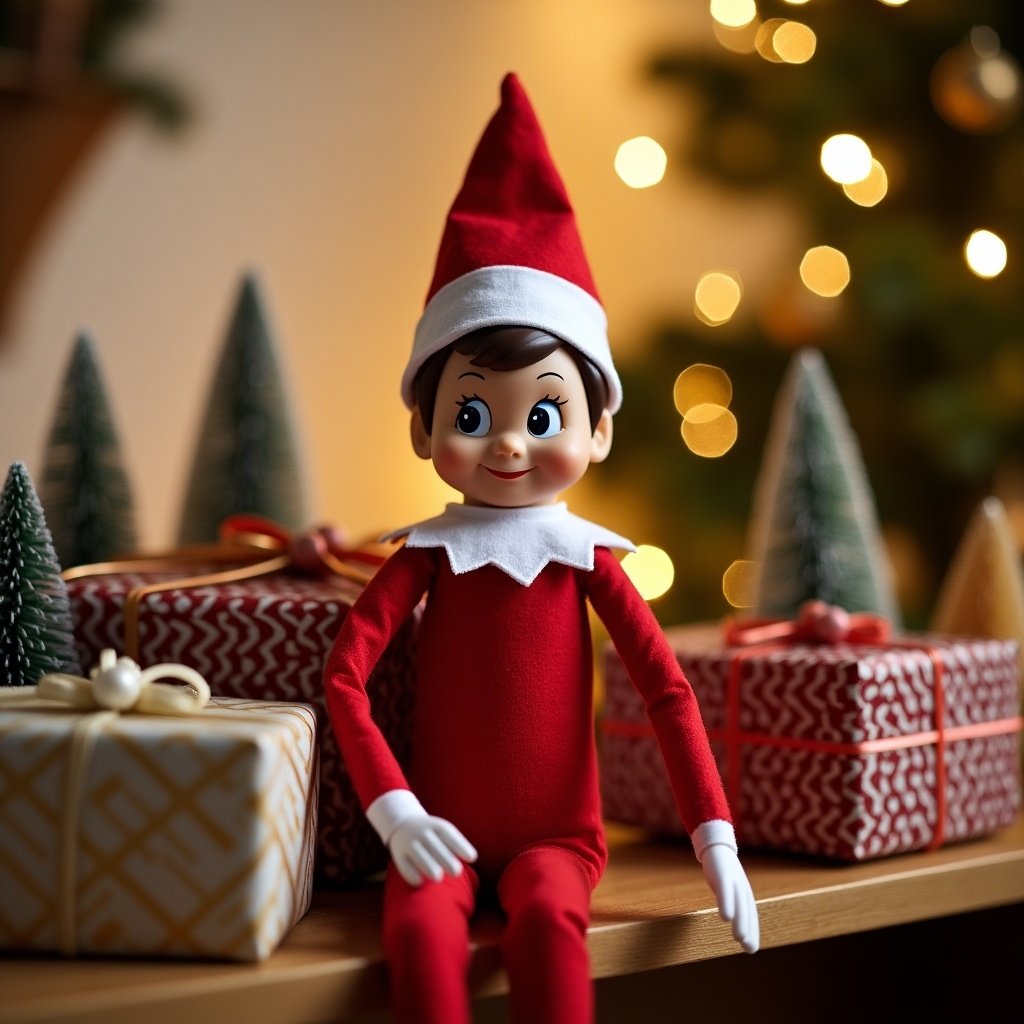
508	476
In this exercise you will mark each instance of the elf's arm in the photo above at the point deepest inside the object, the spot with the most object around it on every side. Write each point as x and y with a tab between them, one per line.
422	846
675	716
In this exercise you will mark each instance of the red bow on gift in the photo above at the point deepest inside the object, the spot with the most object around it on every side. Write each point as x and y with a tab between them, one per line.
816	622
318	552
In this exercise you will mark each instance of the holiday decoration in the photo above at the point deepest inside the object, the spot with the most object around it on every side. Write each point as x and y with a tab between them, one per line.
84	488
983	592
926	354
262	638
511	385
814	533
833	738
145	821
35	618
246	458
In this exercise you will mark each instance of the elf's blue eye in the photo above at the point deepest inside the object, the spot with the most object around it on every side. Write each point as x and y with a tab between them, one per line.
474	417
545	419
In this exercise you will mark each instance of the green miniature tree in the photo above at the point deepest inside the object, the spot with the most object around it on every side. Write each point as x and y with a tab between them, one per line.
246	459
814	532
85	489
35	615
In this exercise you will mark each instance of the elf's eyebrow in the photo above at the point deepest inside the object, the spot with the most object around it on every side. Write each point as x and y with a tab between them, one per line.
471	373
551	373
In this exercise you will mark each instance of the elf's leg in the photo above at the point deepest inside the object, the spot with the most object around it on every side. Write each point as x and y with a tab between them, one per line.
546	894
426	942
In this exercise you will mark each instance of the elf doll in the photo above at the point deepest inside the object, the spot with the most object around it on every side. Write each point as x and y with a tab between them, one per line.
512	390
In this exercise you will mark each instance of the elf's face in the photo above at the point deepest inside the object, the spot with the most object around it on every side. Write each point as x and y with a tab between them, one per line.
512	438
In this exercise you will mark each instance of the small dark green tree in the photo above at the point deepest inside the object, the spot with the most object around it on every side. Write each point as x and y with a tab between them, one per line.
85	489
35	615
814	531
246	458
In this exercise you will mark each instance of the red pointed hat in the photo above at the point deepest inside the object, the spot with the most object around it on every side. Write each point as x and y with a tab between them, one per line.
511	254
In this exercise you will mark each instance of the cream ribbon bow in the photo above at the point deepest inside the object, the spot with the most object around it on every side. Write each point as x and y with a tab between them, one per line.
118	684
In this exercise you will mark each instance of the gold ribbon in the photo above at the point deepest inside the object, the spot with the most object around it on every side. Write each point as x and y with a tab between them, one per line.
263	545
114	686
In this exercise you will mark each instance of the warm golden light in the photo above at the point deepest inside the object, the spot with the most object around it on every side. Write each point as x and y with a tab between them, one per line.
894	3
825	271
846	158
764	39
794	42
733	13
737	40
701	384
717	297
709	430
739	583
651	571
870	190
640	162
985	253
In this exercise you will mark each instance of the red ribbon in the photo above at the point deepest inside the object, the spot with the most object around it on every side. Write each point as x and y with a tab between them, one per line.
318	551
820	623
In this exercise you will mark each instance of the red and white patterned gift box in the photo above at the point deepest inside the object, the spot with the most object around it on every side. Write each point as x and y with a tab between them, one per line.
263	639
850	751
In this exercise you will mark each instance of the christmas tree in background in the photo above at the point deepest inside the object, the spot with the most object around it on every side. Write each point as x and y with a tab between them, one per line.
84	487
922	330
35	615
246	458
814	533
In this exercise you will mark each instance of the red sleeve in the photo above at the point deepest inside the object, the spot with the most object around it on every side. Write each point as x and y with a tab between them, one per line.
671	704
387	601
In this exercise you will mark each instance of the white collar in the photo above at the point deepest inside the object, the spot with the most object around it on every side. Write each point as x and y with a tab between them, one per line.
519	541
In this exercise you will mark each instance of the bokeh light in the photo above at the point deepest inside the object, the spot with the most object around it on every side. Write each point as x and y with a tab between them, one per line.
826	271
894	3
640	162
709	430
739	583
701	384
871	190
782	41
733	13
651	571
794	42
846	158
985	253
717	297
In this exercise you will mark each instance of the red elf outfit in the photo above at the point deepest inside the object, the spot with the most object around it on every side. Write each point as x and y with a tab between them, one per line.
504	770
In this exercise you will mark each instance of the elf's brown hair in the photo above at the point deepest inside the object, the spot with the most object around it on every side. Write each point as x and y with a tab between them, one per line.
507	348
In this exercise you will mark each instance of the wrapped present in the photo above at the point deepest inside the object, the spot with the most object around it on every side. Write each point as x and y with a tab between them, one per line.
851	746
260	630
161	833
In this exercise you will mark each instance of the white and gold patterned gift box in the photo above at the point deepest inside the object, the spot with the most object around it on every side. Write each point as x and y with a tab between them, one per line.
188	836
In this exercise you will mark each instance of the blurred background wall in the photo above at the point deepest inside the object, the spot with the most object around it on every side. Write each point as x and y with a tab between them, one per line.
322	144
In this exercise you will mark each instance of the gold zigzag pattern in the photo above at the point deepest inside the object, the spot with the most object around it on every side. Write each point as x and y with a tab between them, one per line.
144	819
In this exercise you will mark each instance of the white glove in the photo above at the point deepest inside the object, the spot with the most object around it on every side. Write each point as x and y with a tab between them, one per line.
421	845
427	847
736	904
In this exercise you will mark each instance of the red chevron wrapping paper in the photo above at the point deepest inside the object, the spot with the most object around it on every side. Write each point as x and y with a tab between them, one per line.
832	749
264	639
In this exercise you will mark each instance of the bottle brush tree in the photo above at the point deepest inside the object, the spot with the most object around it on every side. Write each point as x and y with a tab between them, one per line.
246	458
814	531
84	487
36	634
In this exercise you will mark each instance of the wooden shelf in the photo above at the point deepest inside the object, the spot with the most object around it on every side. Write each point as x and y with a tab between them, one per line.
652	910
